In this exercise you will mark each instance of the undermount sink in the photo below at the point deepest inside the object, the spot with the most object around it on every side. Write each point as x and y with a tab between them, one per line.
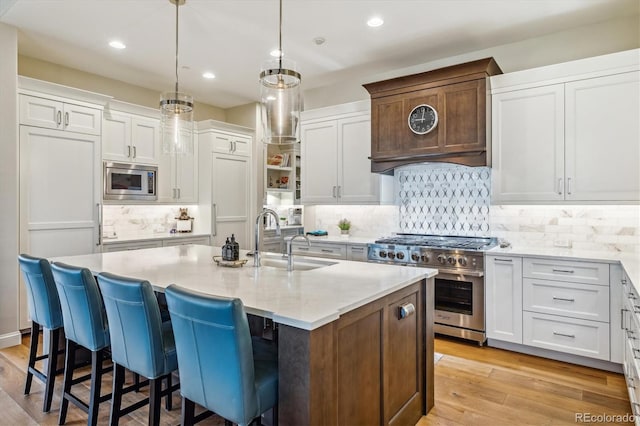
299	263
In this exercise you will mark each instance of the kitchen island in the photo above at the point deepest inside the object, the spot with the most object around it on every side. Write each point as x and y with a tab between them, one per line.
355	341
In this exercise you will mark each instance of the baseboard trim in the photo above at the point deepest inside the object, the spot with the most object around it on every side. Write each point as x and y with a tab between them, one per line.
558	356
10	339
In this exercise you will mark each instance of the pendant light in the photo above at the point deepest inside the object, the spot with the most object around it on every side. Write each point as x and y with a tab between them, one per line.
280	98
176	111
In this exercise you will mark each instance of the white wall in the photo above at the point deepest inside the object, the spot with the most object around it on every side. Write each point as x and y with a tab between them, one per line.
9	335
577	43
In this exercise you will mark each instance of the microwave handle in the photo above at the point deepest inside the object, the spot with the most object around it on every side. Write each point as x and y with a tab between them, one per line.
99	224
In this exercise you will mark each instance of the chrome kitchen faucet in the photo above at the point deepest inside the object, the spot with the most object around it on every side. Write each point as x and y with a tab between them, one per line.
256	252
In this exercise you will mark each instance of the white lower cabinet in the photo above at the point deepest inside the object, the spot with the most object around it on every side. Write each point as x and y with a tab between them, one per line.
550	303
503	292
566	334
203	241
631	343
107	248
357	252
320	249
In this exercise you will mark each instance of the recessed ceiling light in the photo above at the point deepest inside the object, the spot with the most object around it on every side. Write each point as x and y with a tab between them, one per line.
117	44
376	21
276	53
209	75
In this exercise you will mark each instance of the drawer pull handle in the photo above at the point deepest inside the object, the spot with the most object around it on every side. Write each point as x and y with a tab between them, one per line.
568	271
630	335
302	248
623	281
632	296
636	353
634	405
636	309
326	251
357	248
564	299
503	260
572	336
406	310
630	385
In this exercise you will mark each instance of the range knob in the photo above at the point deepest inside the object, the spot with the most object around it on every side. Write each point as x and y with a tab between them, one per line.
462	261
424	258
391	255
400	255
382	254
442	258
415	257
451	260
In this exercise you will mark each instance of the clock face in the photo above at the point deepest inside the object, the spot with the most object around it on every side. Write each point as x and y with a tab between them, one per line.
423	119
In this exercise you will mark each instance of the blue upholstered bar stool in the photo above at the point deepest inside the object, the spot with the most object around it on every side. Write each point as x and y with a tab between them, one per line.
140	342
45	311
218	368
85	325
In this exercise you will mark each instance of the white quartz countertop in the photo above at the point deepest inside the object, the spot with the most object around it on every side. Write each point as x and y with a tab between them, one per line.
151	237
340	239
630	261
304	299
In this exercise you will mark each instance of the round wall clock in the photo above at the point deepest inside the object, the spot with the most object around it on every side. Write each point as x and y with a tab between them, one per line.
423	119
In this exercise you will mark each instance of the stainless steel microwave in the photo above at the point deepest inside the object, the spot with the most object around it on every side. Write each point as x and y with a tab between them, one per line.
124	181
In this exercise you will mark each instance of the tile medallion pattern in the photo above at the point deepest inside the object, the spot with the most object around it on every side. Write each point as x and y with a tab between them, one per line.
443	199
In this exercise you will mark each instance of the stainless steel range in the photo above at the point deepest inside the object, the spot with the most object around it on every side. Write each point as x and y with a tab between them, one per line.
459	285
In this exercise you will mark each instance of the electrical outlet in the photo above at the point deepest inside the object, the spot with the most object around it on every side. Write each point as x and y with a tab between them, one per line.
562	243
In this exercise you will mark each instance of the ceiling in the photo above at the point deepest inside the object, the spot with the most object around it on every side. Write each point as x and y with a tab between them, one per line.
232	38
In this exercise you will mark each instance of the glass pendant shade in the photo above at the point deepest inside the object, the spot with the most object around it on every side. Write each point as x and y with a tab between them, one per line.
281	102
176	123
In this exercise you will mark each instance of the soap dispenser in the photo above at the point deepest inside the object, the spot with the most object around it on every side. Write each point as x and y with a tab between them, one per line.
227	251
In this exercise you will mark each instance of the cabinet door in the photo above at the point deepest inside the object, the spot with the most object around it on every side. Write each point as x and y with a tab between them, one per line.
40	112
528	144
116	137
503	281
241	146
464	116
319	145
357	252
187	177
82	119
356	183
602	134
145	140
167	184
230	198
388	123
222	143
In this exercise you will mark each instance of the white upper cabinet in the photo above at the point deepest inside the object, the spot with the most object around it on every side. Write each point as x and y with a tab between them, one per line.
130	138
568	132
602	131
178	177
528	135
335	151
59	115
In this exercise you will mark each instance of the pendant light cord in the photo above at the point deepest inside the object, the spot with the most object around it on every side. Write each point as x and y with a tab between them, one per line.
177	9
280	37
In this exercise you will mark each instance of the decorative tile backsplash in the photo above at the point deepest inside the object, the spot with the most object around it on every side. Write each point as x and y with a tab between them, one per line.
443	199
592	227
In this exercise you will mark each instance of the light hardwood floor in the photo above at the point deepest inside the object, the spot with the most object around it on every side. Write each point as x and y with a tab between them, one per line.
474	386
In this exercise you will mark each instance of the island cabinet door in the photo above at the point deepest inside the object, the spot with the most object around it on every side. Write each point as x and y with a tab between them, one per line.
402	366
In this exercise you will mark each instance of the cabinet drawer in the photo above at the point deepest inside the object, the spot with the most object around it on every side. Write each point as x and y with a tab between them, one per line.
357	252
131	246
204	241
565	270
332	251
574	300
569	335
631	374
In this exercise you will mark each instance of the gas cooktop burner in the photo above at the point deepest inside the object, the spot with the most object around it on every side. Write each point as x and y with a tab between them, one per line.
441	241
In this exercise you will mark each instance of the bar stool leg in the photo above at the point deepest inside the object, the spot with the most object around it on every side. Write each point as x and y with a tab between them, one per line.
116	403
155	398
33	351
188	412
52	367
96	383
70	362
168	403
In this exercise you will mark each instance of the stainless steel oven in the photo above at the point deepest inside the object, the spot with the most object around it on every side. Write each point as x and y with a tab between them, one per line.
459	304
459	285
124	181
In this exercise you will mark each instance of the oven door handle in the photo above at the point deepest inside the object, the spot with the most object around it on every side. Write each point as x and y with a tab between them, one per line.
478	274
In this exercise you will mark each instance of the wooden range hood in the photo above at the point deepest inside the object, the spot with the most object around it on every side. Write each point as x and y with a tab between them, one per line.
459	95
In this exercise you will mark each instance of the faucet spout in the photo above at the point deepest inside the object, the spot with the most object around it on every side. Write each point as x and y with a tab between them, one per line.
259	219
290	250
